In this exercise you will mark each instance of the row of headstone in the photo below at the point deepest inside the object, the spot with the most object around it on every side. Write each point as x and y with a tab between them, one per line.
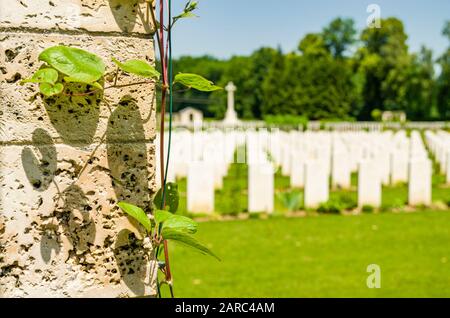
439	145
314	161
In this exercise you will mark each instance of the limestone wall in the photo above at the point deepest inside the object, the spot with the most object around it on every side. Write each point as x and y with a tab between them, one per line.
66	161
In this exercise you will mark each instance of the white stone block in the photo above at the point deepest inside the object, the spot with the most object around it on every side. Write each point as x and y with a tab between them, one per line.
297	179
341	170
448	168
316	183
200	188
369	184
420	171
399	167
260	188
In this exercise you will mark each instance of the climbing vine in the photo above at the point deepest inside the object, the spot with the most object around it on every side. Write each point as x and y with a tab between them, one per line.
64	66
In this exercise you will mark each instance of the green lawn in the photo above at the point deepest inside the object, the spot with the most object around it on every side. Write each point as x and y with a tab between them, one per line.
324	256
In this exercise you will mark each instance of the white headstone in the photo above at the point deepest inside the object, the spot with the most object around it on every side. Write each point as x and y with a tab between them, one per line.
448	168
200	188
316	183
297	170
260	188
399	166
369	184
420	171
341	170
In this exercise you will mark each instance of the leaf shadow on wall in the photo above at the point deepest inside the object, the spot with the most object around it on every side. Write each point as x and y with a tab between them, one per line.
126	14
40	166
128	163
133	262
75	118
74	220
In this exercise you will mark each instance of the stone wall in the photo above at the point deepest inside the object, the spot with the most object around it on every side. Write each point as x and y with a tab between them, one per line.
66	161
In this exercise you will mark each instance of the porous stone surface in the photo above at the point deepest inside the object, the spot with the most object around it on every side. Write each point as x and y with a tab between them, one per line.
66	161
80	16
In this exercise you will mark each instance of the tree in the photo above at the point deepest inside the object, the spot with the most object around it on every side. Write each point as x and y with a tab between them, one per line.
411	87
312	84
313	44
248	74
384	49
339	35
443	82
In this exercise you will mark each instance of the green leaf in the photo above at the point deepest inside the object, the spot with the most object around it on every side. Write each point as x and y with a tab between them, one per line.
137	213
77	80
187	240
49	89
138	67
172	197
196	82
161	216
187	12
185	15
45	75
175	222
181	223
79	65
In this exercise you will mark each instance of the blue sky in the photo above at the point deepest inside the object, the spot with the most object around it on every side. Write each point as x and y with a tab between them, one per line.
238	27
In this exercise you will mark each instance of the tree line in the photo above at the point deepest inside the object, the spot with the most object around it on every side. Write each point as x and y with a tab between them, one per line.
336	74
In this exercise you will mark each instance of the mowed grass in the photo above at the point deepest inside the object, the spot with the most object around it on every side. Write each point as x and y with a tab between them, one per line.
323	256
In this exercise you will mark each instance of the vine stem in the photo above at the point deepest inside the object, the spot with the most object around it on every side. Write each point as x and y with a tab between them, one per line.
163	59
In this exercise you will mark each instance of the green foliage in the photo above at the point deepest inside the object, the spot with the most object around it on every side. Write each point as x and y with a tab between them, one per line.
290	200
313	45
78	65
138	67
187	12
175	222
339	36
196	82
324	81
338	204
291	120
367	209
50	89
44	75
137	213
376	114
162	215
171	196
187	240
168	225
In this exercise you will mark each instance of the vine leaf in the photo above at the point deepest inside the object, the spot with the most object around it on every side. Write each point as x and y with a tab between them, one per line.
138	67
76	80
45	75
187	12
187	240
181	223
172	198
161	216
49	89
175	222
77	64
196	82
137	213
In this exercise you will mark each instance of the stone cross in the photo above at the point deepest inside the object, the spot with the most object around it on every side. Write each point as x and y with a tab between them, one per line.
231	116
230	88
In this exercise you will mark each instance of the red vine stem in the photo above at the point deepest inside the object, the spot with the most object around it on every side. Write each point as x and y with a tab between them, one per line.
163	59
